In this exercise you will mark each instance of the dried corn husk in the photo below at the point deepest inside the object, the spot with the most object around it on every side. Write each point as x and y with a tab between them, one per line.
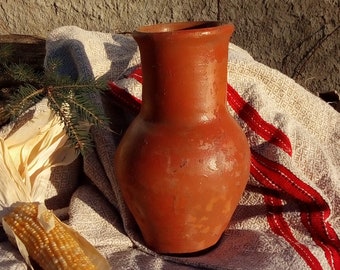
27	155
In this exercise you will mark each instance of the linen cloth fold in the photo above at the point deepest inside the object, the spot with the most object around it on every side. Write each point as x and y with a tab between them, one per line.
289	215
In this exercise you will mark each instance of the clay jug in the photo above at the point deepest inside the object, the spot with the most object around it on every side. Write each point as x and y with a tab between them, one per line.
183	163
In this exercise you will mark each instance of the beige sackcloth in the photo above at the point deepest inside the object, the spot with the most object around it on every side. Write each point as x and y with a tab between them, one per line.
289	214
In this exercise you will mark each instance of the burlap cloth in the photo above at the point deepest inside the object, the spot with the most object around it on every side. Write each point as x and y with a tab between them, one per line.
288	217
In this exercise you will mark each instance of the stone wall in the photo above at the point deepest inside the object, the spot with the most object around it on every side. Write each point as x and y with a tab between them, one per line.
299	38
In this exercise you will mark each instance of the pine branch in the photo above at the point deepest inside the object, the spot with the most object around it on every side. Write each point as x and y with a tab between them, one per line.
6	53
22	73
24	98
74	106
81	104
77	132
70	100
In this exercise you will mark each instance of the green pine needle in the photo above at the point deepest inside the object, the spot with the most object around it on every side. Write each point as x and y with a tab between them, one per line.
6	53
22	99
22	73
72	101
74	106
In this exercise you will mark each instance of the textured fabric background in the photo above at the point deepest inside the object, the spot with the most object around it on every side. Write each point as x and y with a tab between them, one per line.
288	217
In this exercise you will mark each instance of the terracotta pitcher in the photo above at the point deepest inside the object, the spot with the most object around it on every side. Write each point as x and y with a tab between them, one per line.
183	163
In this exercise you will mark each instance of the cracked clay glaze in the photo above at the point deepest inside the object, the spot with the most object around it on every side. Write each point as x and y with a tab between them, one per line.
183	163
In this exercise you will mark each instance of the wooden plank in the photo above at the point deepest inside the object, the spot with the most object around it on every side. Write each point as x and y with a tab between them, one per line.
27	49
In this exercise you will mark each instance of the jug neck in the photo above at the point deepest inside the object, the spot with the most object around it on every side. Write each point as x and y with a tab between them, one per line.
184	70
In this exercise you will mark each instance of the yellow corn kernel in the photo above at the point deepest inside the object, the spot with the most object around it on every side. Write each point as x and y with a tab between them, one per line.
54	248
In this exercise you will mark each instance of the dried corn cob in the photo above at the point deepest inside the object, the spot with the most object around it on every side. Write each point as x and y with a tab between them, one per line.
49	242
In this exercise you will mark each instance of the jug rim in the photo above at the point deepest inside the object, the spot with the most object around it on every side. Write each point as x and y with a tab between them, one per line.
185	26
